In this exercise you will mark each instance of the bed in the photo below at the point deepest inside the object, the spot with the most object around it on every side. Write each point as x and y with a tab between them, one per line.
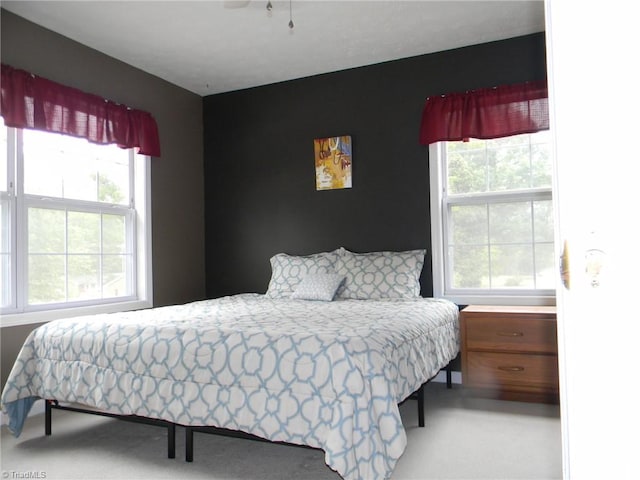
285	366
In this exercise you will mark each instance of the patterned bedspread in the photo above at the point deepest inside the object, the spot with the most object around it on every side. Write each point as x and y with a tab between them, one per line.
325	374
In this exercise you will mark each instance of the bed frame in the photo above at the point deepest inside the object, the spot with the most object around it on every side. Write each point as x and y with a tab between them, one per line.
51	405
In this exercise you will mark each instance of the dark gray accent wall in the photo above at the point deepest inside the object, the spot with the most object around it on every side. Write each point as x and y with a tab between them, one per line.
259	160
176	177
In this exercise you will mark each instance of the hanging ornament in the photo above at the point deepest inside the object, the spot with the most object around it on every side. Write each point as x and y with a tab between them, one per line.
290	16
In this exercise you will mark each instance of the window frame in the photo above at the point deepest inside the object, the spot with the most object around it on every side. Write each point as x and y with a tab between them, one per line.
439	227
142	278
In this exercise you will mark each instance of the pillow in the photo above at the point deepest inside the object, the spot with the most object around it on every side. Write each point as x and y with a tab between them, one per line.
378	275
287	271
318	286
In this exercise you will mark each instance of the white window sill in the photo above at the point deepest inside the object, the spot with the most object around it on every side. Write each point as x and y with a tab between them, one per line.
13	320
501	300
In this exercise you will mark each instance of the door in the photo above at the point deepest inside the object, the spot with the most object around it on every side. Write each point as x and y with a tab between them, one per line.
592	57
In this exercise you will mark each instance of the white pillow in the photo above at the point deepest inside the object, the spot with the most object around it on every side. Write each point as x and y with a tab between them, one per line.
378	275
287	271
318	286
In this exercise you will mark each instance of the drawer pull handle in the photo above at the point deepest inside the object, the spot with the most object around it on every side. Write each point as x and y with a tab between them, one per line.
510	334
511	369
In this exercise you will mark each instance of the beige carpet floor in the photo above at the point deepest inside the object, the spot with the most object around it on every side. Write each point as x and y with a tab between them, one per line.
465	438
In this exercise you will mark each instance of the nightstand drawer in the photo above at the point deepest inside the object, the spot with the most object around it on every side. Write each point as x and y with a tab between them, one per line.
512	333
510	352
486	369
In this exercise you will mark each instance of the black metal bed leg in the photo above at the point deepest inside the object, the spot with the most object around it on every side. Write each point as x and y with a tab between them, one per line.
448	371
47	417
421	406
171	440
188	431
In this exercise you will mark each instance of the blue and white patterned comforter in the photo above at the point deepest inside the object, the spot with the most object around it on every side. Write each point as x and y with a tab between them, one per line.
325	374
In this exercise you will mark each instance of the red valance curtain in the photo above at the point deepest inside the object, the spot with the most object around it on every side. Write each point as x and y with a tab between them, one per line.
29	101
486	113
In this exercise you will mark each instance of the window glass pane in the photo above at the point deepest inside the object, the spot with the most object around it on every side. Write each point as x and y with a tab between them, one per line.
113	177
44	167
84	232
513	141
509	168
5	208
541	166
3	156
510	223
114	234
470	266
66	167
5	279
5	237
545	265
467	167
46	279
84	277
114	278
543	221
501	164
46	230
512	266
469	224
5	255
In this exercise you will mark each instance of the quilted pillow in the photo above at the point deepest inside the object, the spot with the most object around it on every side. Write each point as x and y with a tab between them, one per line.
318	286
378	275
287	271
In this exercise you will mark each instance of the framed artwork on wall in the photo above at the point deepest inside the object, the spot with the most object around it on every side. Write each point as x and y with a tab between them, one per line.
333	162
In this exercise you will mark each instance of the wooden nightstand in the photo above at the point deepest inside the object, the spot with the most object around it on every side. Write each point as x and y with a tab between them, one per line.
510	352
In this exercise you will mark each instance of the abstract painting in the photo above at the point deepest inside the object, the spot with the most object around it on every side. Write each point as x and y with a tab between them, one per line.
333	162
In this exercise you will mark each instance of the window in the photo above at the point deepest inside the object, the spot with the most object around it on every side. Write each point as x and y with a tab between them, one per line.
492	220
75	229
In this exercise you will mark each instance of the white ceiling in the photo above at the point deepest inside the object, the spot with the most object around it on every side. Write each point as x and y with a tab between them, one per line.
208	48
